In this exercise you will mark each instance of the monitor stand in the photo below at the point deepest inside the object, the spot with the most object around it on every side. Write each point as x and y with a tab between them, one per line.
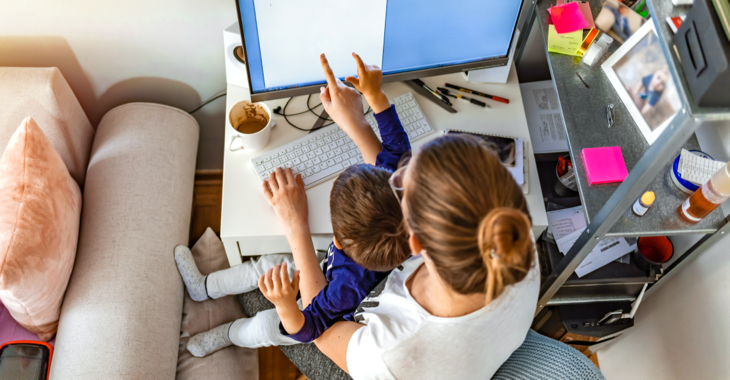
320	121
428	95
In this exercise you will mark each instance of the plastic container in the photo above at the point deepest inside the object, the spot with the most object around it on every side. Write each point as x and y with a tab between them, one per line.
684	185
708	197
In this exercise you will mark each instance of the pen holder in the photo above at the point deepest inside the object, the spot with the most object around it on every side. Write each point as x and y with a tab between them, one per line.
565	187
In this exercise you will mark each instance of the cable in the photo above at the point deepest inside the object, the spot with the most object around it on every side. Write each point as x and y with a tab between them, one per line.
311	109
206	102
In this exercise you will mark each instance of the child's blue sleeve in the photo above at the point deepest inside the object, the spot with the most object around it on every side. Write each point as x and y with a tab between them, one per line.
340	297
395	139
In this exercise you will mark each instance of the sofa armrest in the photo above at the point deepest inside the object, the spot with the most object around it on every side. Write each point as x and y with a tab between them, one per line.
122	310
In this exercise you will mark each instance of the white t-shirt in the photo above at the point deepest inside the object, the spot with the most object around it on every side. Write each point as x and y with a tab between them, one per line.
401	340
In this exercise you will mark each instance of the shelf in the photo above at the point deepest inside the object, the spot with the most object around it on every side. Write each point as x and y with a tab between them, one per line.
584	113
659	11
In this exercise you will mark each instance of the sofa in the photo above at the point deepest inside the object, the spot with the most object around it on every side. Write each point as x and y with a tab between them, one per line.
121	313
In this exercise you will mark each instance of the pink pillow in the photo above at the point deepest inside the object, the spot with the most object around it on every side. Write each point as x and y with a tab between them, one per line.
40	207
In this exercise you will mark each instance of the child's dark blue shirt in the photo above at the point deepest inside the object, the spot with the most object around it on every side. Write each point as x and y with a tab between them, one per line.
348	282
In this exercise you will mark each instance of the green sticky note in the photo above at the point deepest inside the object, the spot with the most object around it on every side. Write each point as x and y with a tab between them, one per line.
566	43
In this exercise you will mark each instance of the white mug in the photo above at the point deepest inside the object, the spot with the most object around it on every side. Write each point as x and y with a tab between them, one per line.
245	110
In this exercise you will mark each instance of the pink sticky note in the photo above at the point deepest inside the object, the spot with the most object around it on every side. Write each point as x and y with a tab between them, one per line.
550	17
568	18
604	165
585	8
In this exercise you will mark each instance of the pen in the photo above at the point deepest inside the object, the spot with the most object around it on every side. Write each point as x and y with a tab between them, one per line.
468	91
441	97
459	96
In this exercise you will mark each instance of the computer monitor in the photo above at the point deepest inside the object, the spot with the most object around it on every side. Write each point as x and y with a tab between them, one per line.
407	39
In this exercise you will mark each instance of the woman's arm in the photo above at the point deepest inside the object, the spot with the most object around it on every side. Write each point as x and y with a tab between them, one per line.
289	200
333	342
344	105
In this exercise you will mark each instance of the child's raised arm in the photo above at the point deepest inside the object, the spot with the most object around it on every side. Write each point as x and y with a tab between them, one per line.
344	105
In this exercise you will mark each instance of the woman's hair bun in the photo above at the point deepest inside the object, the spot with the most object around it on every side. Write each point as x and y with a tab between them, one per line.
506	246
506	230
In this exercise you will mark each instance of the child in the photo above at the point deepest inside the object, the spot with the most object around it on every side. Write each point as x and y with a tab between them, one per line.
369	241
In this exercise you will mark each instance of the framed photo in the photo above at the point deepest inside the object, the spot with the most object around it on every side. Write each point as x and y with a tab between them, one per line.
618	21
640	74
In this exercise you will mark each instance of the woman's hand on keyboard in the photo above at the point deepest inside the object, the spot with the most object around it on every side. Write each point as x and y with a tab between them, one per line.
369	82
286	195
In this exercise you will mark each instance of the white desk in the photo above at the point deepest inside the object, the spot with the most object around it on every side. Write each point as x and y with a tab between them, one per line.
248	224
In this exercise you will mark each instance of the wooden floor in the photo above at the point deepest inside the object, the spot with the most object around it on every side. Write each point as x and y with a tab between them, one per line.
273	364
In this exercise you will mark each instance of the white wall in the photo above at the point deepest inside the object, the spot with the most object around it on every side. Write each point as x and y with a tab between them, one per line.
682	331
114	52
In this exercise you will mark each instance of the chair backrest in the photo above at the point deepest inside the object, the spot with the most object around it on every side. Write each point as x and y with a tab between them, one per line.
540	357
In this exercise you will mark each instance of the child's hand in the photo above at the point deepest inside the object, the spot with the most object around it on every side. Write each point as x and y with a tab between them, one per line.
287	196
277	288
369	82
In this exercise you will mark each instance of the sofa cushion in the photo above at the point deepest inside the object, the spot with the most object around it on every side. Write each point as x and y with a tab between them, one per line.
40	205
229	363
44	94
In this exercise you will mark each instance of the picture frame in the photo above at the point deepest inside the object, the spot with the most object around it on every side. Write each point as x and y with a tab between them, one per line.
639	72
618	21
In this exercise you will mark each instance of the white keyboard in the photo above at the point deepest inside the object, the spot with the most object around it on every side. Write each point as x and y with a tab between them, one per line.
325	153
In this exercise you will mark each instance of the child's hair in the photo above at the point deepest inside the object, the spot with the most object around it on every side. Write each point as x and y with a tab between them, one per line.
469	215
367	219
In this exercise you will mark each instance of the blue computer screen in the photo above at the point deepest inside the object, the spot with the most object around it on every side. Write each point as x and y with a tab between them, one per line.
283	38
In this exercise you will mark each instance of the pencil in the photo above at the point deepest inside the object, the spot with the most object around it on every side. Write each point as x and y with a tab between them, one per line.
468	91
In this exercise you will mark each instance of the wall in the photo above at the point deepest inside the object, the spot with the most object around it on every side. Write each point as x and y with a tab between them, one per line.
111	53
681	330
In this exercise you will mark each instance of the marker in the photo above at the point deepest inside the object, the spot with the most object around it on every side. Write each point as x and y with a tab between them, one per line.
441	97
468	91
459	96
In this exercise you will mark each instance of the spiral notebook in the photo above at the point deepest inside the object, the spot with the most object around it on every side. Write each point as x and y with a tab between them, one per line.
519	170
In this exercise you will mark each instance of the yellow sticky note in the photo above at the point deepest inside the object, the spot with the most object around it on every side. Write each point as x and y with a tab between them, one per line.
566	43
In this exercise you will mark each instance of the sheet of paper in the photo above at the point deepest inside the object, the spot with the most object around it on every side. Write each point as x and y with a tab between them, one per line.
566	43
606	251
292	35
517	170
585	9
544	117
696	169
568	18
564	222
495	74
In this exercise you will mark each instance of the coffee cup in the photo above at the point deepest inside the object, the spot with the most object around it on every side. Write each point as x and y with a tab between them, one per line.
251	124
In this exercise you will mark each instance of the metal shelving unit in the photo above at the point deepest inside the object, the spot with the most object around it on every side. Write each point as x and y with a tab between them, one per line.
607	206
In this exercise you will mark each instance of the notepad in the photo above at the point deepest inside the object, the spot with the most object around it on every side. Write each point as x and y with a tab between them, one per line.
566	43
604	165
568	18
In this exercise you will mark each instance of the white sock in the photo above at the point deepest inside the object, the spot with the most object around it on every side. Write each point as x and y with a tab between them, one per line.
262	330
194	281
245	277
208	342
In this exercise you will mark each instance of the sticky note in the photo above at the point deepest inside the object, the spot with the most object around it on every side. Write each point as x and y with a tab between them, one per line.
585	9
566	43
568	18
604	165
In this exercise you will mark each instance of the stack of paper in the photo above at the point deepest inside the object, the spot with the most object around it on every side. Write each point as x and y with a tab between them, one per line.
567	225
696	169
567	21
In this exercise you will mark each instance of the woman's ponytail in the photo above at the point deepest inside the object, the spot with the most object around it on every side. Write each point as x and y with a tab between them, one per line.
506	248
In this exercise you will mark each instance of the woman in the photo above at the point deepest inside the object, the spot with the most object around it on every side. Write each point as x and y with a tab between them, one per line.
466	300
